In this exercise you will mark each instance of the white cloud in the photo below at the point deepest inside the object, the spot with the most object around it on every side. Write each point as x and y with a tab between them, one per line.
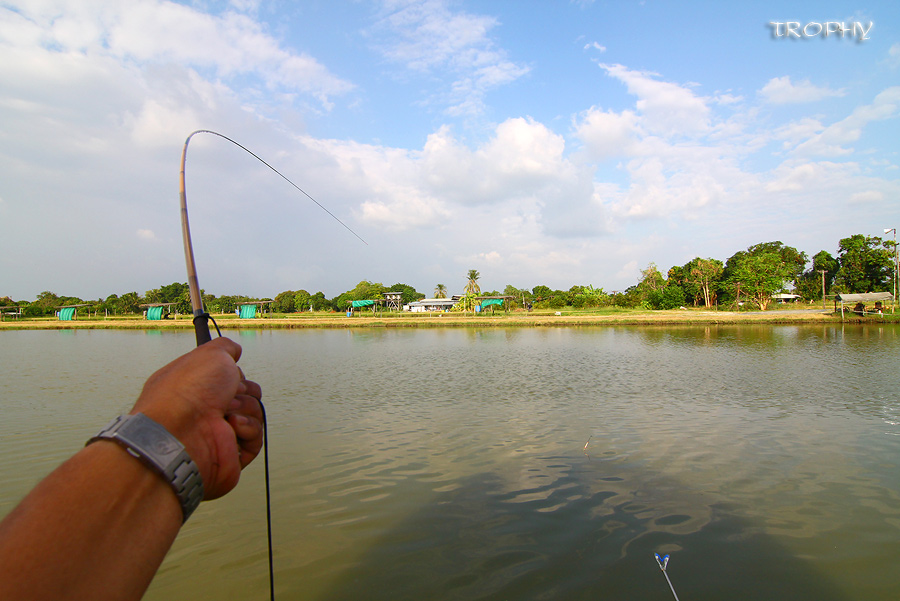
781	90
833	139
666	108
159	31
608	134
595	46
94	113
428	37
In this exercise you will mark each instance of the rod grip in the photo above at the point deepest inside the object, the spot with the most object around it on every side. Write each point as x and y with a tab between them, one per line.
201	328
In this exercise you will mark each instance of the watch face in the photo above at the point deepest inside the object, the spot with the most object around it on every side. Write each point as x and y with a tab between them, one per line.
150	438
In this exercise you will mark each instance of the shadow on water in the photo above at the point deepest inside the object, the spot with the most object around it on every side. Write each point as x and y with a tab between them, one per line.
574	544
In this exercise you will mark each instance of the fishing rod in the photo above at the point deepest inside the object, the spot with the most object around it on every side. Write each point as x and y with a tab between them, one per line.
663	562
201	318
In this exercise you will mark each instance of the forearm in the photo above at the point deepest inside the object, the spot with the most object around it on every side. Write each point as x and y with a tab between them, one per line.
97	527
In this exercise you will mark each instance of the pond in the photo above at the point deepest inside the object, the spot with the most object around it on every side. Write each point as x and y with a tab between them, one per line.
519	463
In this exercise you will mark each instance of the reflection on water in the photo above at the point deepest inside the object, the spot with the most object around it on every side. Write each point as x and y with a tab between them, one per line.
451	464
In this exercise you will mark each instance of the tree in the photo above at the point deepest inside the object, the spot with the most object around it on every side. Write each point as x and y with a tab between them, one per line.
588	296
302	300
652	279
760	272
824	268
520	296
865	264
670	297
704	275
541	293
318	302
176	292
285	302
440	291
472	285
130	302
794	261
365	290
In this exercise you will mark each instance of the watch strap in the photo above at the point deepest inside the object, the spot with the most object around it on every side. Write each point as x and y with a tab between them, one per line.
150	442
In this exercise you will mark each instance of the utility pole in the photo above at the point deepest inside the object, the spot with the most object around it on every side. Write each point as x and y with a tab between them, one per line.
896	266
822	271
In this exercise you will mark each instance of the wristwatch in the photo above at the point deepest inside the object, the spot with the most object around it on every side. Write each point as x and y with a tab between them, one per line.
150	442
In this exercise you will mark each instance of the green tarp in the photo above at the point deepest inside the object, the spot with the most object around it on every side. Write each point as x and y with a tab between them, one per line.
362	303
155	313
492	301
248	312
67	314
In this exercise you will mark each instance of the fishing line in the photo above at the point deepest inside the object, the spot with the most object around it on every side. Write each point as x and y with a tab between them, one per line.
202	318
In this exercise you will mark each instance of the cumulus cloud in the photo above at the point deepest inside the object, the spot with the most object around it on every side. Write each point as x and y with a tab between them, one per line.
666	108
157	31
607	134
781	90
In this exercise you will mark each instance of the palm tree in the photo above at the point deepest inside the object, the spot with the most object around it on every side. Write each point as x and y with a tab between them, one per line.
472	286
440	291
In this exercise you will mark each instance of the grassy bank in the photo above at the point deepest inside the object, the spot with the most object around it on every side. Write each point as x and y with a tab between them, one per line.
608	316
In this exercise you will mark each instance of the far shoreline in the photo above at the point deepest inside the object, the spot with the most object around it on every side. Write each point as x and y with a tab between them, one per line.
518	319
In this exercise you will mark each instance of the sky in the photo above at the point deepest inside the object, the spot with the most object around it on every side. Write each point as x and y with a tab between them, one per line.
540	143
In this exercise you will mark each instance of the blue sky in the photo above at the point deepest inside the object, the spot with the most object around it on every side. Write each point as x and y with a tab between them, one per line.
541	143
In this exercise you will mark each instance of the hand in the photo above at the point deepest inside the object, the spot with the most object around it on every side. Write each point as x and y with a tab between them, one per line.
203	399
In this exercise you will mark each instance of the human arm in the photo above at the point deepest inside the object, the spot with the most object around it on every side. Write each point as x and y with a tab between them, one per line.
100	525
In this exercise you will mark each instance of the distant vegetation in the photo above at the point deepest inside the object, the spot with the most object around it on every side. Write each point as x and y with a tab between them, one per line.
748	278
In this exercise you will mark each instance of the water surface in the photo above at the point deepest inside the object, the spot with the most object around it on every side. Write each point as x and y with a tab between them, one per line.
451	464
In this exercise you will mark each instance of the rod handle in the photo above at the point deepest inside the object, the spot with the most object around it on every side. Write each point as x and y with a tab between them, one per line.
201	328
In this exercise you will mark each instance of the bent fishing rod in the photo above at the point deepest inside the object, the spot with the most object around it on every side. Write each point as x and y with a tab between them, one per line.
201	318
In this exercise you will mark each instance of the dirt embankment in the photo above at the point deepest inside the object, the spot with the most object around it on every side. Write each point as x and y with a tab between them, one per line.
442	320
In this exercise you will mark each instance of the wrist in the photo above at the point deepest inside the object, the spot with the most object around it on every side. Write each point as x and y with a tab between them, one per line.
150	442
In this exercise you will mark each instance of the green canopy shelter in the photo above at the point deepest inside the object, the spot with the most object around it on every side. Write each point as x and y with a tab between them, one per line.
492	301
253	309
359	304
70	312
158	311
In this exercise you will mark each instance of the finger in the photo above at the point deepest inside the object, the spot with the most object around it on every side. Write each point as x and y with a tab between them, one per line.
253	389
229	346
245	428
245	404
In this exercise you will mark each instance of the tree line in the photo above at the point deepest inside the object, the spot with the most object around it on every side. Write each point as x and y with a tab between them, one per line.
749	277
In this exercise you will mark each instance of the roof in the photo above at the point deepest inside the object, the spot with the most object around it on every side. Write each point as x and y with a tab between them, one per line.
866	297
433	301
